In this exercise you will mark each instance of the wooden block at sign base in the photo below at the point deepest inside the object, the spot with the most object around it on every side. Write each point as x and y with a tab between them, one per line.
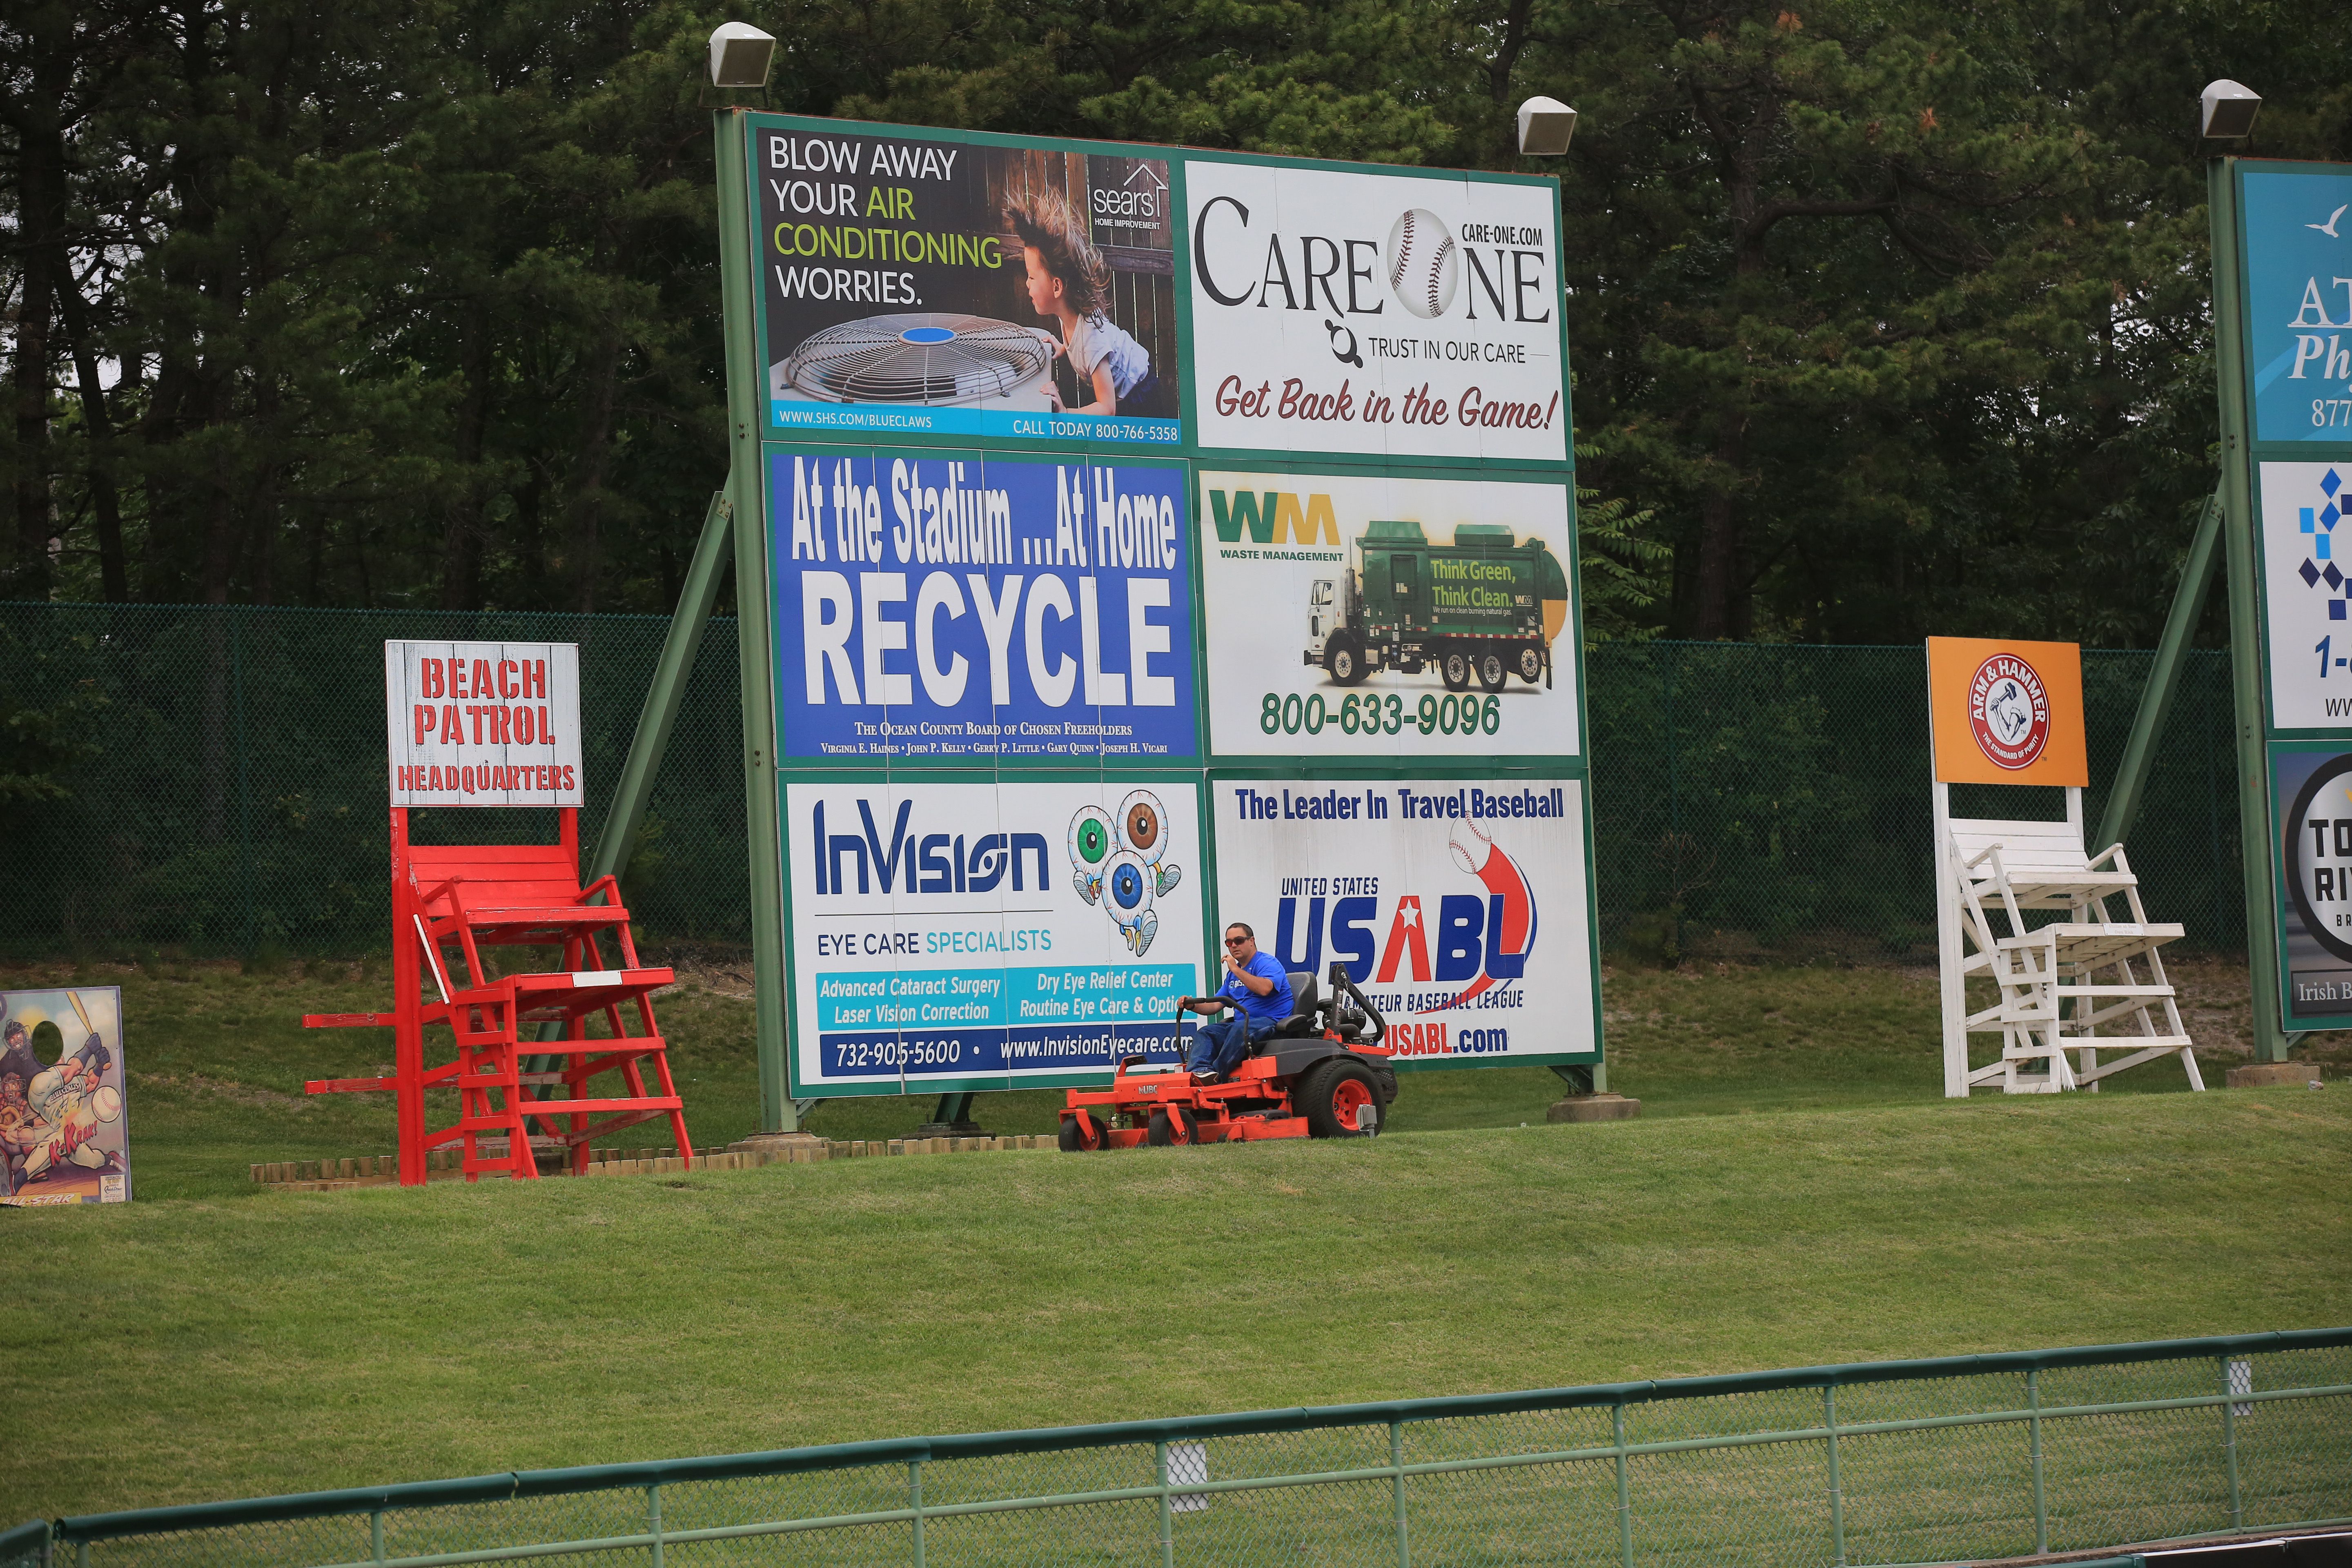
2272	1075
1593	1108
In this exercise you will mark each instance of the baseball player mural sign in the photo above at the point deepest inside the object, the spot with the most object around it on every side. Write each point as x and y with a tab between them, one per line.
1460	907
63	1135
969	936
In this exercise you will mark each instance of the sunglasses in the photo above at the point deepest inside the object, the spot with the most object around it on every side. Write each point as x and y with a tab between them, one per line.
1237	941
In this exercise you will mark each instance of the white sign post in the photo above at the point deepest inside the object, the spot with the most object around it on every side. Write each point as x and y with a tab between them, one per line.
482	723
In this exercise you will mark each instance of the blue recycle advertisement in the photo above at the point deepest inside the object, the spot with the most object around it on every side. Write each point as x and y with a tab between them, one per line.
950	607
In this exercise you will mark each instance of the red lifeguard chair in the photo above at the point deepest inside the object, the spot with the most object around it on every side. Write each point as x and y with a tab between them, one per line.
451	902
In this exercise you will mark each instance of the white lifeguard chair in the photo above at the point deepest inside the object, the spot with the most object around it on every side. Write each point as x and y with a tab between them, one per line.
2011	713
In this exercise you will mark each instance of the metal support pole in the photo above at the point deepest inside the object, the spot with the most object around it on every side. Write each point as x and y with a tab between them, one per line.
746	418
2040	1505
658	717
375	1534
2230	1447
1166	1513
915	1500
1837	1493
2163	678
2254	845
653	1507
1624	1495
1396	1459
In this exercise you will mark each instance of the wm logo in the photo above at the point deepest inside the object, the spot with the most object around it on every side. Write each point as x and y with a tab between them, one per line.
1273	518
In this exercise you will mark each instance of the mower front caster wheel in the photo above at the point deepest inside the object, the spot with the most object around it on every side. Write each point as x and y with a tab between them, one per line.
1080	1135
1334	1093
1171	1127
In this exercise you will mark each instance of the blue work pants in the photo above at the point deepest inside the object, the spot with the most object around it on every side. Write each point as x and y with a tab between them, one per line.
1219	1044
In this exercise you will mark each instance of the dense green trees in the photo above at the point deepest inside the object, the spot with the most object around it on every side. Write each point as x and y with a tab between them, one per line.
1890	315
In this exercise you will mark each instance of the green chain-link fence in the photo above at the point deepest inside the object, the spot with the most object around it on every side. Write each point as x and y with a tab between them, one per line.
224	788
1898	1462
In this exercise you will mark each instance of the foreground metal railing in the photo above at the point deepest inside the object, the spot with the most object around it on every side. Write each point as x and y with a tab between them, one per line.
1889	1462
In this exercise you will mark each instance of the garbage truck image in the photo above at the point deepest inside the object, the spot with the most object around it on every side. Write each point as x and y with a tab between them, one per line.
1481	609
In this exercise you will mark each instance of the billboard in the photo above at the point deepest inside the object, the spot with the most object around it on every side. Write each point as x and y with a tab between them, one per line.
482	723
1463	907
2306	549
1351	615
912	281
979	935
946	608
2311	800
2298	306
64	1137
1375	312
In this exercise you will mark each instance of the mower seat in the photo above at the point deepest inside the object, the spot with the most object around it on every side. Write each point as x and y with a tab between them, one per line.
1305	1000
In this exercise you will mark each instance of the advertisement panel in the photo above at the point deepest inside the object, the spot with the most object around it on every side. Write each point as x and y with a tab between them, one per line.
947	607
1343	309
64	1137
483	723
970	935
2299	304
913	281
1463	907
2005	711
2306	548
2310	799
1354	615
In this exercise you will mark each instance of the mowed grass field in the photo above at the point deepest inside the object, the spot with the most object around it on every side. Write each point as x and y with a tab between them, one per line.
1795	1191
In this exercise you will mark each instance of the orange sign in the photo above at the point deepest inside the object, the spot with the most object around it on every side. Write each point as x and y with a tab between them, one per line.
2006	712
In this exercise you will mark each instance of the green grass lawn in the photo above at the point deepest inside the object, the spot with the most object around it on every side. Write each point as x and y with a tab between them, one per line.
1795	1191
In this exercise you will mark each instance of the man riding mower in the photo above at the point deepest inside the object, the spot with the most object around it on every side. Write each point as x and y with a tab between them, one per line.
1318	1072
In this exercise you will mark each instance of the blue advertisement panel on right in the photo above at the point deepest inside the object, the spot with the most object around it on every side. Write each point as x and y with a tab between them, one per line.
2299	304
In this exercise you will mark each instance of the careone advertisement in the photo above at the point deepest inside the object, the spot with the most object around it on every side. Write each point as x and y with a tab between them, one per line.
2299	304
947	932
1461	907
953	608
916	283
2311	800
1377	616
1337	311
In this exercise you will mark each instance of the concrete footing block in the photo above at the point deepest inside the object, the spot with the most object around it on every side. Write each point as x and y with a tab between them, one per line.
1593	1108
2272	1075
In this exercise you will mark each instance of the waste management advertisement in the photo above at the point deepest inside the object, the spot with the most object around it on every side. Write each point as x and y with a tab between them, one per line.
1352	616
1460	906
918	282
974	935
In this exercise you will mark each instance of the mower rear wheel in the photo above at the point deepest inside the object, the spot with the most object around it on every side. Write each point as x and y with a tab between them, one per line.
1332	1093
1081	1134
1171	1125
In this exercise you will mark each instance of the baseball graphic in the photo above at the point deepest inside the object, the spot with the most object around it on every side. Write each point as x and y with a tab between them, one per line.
1422	263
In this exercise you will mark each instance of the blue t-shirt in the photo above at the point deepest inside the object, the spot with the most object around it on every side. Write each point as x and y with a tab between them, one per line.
1275	1004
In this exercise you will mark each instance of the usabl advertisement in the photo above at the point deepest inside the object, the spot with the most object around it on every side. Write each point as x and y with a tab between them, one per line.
1345	311
1365	615
914	282
949	933
946	609
1462	907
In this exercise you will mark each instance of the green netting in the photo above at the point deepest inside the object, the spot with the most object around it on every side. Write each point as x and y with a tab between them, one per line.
229	791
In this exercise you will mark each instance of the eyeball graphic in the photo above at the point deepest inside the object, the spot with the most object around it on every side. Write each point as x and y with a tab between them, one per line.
1093	839
1143	824
1127	889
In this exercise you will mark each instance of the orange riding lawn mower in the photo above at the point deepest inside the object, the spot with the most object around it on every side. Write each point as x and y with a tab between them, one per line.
1320	1073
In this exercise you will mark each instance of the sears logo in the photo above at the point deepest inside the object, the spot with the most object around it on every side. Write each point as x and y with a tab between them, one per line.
1476	939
